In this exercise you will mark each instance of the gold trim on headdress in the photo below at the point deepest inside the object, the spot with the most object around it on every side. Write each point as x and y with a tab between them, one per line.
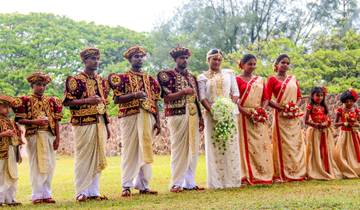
179	51
88	52
39	77
134	50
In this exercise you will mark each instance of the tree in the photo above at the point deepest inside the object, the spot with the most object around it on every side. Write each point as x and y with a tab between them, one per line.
52	44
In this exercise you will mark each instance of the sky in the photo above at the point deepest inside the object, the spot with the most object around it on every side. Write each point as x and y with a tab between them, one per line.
138	15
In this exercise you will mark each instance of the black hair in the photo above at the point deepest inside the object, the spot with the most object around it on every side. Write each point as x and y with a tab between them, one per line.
215	51
322	103
280	57
346	96
246	58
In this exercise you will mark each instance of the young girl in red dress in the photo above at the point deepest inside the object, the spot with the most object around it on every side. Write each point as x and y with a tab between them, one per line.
347	148
320	163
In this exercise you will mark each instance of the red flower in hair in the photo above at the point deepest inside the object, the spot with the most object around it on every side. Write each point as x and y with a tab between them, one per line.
354	94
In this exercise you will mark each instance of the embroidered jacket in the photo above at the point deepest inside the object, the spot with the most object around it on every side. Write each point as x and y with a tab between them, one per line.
172	81
82	86
131	82
32	107
8	124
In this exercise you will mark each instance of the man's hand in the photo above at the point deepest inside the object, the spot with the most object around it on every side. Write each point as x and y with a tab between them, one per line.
40	122
140	95
157	128
201	124
8	133
56	143
108	132
188	91
93	100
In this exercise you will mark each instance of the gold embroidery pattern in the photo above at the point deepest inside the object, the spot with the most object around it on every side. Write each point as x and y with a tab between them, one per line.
88	119
72	84
135	81
42	107
130	104
292	169
164	77
180	83
115	79
16	102
260	169
91	110
91	87
6	124
216	84
129	112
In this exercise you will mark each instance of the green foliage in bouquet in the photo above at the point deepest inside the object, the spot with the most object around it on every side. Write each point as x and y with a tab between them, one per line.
225	128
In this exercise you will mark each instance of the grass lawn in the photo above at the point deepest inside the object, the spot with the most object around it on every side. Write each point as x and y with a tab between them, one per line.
340	194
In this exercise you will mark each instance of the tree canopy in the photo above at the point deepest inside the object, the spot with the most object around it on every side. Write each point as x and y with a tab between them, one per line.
321	37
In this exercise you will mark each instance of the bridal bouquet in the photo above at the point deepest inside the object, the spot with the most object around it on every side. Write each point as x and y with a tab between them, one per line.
351	118
291	111
225	127
259	115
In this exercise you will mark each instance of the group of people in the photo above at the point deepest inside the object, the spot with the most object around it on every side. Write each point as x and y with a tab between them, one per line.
250	156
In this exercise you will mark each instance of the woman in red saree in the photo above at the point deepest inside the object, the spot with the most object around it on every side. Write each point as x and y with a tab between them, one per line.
288	142
255	143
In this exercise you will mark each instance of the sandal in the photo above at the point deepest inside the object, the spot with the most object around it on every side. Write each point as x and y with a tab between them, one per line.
148	192
37	201
176	189
49	200
81	198
14	203
98	198
196	188
126	192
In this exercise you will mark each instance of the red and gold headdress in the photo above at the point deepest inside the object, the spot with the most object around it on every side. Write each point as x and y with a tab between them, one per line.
39	77
179	51
134	50
88	52
11	101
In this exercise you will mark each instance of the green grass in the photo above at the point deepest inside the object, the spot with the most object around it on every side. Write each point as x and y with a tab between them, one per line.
340	194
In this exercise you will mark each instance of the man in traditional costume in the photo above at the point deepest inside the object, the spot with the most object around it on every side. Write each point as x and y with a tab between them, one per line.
41	115
9	153
182	110
137	94
86	94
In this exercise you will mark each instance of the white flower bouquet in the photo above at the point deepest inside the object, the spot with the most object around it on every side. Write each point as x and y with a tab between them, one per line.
225	127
